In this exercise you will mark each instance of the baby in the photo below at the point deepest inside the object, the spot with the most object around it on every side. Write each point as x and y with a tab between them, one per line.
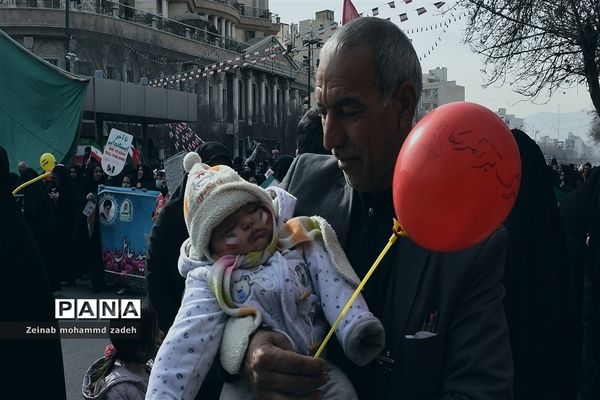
249	264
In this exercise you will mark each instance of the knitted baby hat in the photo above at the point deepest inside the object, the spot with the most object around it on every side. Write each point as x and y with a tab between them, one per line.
212	194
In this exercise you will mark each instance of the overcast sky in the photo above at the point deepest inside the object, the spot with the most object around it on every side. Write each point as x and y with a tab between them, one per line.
463	65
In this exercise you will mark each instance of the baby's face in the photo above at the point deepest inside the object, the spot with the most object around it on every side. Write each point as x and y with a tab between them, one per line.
248	229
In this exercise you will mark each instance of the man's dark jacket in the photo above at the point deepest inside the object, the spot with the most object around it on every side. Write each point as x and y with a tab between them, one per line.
457	296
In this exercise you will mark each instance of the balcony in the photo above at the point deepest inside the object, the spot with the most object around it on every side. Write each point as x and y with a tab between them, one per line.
248	18
111	9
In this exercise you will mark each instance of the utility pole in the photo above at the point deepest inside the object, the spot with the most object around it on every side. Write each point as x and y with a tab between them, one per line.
67	37
309	42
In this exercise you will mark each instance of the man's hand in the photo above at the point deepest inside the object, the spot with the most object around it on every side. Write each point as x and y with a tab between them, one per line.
275	371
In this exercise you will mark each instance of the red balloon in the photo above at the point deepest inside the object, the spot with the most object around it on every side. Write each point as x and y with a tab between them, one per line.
456	177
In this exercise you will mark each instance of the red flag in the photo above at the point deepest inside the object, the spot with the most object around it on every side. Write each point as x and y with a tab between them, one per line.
349	12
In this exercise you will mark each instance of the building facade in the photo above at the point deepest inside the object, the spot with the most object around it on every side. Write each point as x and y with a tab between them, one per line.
437	90
510	119
143	40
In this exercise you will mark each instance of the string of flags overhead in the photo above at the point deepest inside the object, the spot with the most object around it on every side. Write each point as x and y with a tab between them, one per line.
403	16
155	61
440	25
241	61
269	53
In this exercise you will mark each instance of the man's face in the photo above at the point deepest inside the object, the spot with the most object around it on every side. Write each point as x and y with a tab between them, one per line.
363	134
248	229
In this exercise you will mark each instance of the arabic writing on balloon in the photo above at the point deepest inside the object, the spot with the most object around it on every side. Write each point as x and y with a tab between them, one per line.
486	156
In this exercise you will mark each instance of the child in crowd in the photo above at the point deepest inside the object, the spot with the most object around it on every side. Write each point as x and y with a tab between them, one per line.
124	370
249	264
127	181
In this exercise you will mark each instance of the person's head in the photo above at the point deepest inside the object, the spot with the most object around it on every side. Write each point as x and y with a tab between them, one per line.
247	229
309	133
61	175
145	347
127	181
251	166
223	213
74	172
281	167
140	172
587	167
21	166
367	88
98	173
214	153
132	350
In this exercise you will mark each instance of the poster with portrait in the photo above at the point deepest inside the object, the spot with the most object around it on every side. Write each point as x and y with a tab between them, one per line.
125	216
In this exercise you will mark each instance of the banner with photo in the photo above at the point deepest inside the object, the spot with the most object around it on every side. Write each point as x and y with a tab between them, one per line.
125	216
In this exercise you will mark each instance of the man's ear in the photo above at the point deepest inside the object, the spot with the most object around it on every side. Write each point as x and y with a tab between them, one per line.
405	101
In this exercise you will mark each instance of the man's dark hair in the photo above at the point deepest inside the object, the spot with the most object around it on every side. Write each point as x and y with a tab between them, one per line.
108	203
309	136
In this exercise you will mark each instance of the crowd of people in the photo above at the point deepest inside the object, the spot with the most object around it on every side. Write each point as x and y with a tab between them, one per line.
515	316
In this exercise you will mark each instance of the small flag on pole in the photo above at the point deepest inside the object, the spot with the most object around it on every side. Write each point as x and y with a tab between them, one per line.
439	4
421	10
376	11
392	4
403	17
348	12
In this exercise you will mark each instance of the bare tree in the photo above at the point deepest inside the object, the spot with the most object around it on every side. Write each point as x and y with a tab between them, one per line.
595	129
537	45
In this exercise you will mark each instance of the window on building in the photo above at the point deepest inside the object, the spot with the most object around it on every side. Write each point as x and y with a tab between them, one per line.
434	93
129	77
110	73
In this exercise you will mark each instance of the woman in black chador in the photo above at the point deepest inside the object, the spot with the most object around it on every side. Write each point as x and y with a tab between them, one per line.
64	200
40	216
87	232
32	368
538	301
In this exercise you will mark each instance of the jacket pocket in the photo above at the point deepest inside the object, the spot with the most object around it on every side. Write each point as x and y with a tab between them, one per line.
419	370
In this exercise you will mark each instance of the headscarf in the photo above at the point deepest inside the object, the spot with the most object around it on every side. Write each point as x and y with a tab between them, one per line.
538	300
65	184
282	165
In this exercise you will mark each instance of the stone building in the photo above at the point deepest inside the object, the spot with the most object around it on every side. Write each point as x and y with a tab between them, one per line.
138	41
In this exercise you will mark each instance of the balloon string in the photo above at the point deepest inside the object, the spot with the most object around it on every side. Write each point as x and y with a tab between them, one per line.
397	232
29	182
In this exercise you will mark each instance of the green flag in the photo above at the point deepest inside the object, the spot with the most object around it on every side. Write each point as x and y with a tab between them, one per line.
40	105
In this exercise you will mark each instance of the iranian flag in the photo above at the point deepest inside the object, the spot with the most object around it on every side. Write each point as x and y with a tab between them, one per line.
135	154
95	153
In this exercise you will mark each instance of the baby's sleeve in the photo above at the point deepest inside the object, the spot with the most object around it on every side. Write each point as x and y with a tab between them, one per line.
191	344
360	333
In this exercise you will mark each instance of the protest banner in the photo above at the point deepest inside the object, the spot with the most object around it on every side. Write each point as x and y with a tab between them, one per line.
125	222
115	152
